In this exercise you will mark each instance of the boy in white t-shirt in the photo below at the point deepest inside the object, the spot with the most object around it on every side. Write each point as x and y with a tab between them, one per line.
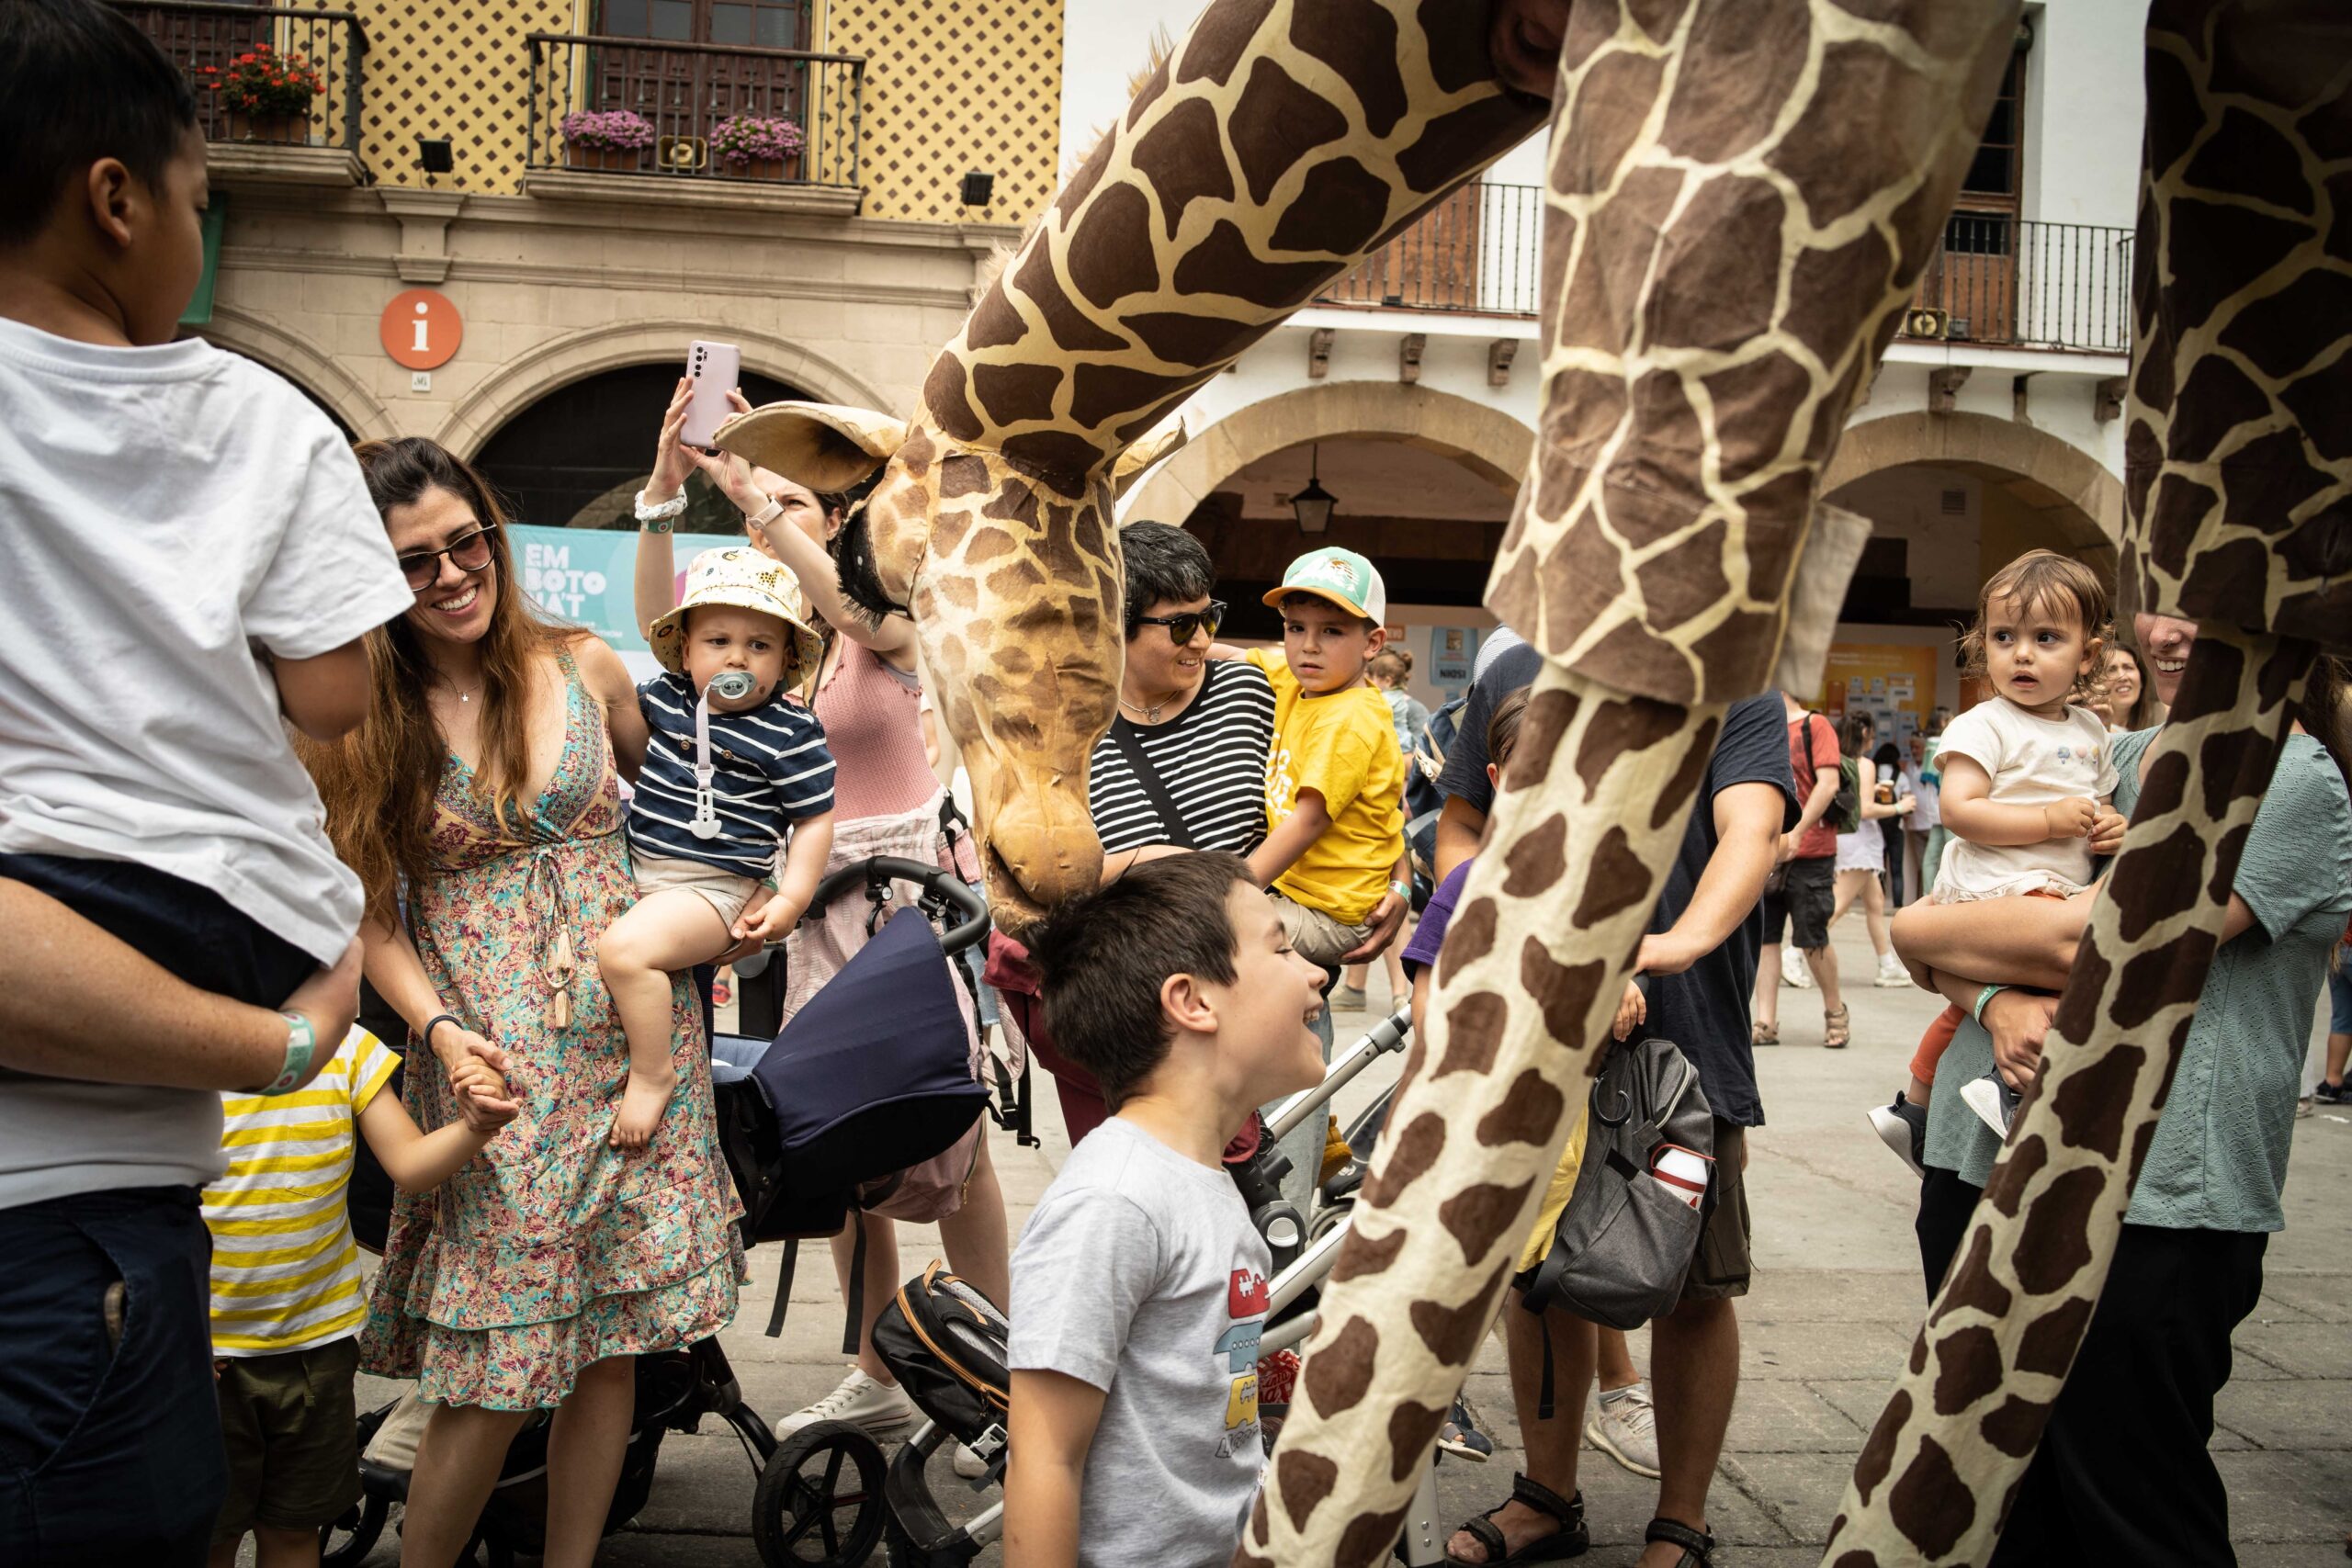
1139	1286
286	1297
193	562
2027	778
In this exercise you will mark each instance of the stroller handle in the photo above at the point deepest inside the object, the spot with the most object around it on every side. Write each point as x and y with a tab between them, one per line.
878	872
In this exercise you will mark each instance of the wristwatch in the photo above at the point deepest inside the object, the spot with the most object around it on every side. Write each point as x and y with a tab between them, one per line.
660	519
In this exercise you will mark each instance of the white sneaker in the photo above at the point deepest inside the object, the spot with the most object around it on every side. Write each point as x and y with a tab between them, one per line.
969	1465
1892	972
1625	1429
1795	970
1986	1097
883	1410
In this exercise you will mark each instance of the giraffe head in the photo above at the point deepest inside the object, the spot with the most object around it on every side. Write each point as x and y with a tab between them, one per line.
1010	571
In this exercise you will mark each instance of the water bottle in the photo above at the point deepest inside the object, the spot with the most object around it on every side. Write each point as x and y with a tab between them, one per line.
1682	1172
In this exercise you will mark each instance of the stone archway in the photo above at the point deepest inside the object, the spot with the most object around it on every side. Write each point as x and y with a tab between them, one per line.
325	382
1485	440
577	355
2076	503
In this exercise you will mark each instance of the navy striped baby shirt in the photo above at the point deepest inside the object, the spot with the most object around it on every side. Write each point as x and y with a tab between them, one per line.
772	770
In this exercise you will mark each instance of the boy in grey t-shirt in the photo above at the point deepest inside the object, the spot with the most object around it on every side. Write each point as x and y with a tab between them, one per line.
1139	1288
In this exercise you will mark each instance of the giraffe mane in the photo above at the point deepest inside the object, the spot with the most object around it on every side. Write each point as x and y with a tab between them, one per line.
861	578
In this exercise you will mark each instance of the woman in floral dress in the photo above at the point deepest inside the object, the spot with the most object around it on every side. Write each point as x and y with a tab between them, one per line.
482	785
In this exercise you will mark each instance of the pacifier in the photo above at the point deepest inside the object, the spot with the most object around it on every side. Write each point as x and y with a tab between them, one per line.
733	686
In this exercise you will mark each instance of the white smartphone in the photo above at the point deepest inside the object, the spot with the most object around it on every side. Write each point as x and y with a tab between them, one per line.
713	367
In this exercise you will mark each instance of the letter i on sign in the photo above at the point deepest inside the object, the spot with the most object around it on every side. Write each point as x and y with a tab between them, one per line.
423	326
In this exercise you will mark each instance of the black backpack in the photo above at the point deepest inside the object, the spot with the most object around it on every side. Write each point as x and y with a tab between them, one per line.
947	1344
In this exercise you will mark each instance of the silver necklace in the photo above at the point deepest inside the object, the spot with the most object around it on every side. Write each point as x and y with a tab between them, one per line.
465	696
1150	715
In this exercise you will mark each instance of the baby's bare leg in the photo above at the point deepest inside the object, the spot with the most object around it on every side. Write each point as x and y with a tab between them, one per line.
667	932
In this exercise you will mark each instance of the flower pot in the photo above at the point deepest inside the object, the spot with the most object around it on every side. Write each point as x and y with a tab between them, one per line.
269	126
612	160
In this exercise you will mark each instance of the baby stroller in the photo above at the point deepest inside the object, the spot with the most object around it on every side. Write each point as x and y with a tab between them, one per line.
873	1090
946	1343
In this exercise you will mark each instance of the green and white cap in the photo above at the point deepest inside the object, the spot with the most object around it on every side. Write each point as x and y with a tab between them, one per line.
1344	577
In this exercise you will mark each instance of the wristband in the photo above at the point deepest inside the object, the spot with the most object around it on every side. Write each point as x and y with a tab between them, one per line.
302	1042
1986	995
660	519
1402	889
435	1021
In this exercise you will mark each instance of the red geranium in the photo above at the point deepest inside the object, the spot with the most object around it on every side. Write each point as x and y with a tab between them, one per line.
263	82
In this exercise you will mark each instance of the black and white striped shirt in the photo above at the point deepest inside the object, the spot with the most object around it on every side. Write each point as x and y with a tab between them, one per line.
772	770
1211	758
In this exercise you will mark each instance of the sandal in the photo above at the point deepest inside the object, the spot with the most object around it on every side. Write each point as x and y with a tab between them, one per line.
1837	1027
1698	1546
1569	1541
1764	1034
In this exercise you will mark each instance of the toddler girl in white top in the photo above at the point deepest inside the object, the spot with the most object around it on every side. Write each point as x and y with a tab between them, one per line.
2027	772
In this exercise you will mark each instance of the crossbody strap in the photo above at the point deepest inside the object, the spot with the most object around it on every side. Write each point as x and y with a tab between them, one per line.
1154	788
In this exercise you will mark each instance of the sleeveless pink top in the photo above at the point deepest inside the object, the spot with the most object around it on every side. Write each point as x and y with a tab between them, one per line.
873	720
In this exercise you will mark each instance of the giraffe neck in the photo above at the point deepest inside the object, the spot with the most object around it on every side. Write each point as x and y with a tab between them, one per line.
1274	148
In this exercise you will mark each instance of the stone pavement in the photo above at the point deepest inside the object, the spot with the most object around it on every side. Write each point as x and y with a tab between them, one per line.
1837	1297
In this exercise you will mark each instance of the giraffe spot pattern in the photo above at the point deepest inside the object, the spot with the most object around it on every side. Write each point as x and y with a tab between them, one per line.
1411	1429
1930	1504
2016	1426
1527	1113
1016	394
1620	727
2148	882
2056	1247
1968	1367
1303	1481
1550	711
2092	1101
1564	993
1616	882
1479	1213
1274	123
1973	1287
1340	1370
2048	1343
1401	1163
1537	859
1220	39
1358	41
1223	264
1877	1457
1473	1029
1470	938
942	395
1110	254
1367	1538
1674	797
1072	330
1451	1333
1340	206
1168	159
1361	1256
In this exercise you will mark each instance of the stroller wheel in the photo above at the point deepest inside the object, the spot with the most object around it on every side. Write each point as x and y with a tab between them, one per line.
348	1541
810	1510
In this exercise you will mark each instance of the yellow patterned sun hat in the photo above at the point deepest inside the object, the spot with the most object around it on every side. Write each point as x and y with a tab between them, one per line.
743	577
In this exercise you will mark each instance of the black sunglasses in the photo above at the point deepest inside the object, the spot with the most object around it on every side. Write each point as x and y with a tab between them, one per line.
469	552
1181	627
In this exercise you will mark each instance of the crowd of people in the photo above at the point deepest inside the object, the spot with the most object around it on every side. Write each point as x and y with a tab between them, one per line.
330	736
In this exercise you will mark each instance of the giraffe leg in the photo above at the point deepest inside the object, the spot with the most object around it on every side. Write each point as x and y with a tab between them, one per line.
1940	1467
1592	809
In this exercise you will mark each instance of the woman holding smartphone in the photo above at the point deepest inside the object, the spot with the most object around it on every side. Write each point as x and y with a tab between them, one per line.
868	697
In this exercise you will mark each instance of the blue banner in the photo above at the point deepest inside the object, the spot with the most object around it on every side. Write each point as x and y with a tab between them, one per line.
588	575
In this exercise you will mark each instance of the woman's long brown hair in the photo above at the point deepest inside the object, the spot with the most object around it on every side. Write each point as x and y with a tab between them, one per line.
378	782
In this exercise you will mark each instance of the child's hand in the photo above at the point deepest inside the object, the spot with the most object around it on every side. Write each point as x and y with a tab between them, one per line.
484	1092
770	922
1631	1010
2071	818
2107	833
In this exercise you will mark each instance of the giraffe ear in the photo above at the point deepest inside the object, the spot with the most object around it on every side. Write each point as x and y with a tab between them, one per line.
1154	445
1833	547
823	445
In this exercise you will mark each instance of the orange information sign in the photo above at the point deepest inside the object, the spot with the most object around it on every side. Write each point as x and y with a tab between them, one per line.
421	329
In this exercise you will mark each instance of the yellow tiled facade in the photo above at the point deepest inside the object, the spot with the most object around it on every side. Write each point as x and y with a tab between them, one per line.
950	87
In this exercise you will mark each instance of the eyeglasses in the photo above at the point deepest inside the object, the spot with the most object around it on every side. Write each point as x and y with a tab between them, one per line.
467	552
1181	627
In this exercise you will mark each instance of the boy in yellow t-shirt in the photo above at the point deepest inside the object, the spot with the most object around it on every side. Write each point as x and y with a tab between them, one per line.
1335	780
287	1285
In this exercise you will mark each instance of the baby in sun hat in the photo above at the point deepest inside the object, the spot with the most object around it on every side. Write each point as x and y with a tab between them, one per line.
732	767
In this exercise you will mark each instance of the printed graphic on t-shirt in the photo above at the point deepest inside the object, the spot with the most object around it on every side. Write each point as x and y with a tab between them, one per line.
1246	1295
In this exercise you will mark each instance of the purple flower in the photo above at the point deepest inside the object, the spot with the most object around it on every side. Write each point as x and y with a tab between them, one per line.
746	138
616	130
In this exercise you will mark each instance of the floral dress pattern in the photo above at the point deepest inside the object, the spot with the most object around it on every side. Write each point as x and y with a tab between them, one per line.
550	1249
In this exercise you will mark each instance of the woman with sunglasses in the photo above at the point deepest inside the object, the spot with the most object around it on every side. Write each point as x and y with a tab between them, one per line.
479	802
887	801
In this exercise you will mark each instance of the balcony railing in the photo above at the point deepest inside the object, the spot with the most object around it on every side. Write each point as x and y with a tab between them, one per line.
201	39
686	92
1478	250
2017	282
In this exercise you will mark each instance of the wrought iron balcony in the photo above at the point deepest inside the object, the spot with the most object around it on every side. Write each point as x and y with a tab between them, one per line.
208	41
684	94
1478	251
2014	282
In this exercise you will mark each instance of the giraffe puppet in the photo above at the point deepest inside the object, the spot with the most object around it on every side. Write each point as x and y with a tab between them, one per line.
1740	195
